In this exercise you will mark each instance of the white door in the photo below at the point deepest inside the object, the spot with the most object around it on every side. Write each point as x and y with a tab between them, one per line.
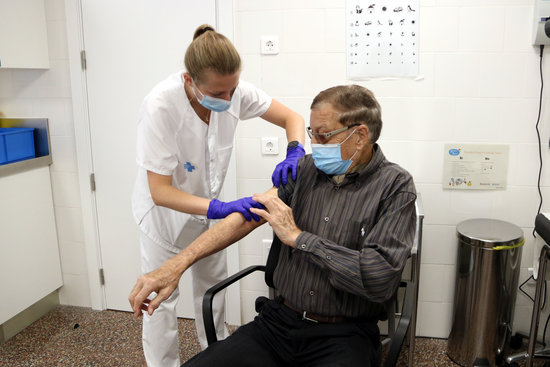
130	46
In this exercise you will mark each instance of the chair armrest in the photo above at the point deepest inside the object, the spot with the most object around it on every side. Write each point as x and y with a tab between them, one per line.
207	313
402	326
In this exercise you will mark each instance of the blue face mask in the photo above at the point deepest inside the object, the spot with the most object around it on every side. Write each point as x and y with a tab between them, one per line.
213	104
328	158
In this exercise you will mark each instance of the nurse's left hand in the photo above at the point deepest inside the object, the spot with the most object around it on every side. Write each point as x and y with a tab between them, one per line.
280	218
218	209
163	281
293	156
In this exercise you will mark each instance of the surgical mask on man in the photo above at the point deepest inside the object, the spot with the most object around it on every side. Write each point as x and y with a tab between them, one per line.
328	157
212	103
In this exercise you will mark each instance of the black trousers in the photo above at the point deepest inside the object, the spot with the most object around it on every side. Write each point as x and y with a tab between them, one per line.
279	337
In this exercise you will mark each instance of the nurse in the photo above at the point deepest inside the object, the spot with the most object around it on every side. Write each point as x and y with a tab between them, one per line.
184	142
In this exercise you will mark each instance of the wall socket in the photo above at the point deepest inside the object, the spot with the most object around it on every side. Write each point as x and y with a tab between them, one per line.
269	45
270	145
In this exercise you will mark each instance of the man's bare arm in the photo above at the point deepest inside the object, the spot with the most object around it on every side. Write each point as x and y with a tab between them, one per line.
165	279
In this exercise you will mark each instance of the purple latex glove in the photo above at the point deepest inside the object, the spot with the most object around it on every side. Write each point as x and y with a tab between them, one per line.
293	155
219	209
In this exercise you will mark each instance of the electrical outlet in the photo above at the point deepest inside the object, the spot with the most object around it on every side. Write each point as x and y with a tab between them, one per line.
270	145
269	45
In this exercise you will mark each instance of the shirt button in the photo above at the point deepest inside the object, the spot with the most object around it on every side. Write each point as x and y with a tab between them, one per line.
326	219
328	257
311	293
303	245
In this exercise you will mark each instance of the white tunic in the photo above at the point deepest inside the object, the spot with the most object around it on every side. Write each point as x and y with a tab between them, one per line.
173	140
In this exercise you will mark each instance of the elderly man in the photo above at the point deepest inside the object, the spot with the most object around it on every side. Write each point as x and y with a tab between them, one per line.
348	224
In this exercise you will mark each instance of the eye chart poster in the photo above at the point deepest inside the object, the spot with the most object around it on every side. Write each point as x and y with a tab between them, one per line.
382	38
475	166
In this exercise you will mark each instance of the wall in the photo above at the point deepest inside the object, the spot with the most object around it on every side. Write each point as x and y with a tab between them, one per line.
480	84
47	93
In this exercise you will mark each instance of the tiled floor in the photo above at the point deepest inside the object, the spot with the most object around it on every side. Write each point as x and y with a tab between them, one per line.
75	336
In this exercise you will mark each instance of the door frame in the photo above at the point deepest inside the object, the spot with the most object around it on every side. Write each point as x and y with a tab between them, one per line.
75	40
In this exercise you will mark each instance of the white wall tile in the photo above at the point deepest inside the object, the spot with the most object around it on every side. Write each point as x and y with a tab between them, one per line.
255	281
254	5
434	319
43	83
263	23
57	40
63	154
304	31
449	280
75	291
59	113
335	30
256	128
15	107
438	29
439	244
527	255
65	189
496	65
69	224
255	168
457	75
417	118
481	28
517	205
518	28
423	160
437	204
517	119
252	68
523	169
431	283
73	258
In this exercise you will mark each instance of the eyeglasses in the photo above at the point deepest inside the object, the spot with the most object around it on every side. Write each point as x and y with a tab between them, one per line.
312	135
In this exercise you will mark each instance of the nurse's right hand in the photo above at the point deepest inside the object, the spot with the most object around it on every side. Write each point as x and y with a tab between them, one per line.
219	209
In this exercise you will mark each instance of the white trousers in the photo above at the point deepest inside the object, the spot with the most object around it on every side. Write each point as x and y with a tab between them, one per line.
160	331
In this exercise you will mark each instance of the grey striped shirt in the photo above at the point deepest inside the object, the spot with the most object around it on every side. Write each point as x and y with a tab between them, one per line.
356	238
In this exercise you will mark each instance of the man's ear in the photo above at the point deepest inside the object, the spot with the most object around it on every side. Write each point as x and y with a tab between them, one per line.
363	135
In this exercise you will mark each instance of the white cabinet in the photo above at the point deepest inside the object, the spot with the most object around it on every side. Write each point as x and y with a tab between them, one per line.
30	268
23	35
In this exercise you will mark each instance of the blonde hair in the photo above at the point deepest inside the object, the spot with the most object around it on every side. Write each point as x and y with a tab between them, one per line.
356	104
211	50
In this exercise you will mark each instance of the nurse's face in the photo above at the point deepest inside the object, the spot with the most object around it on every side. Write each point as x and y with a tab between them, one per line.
217	85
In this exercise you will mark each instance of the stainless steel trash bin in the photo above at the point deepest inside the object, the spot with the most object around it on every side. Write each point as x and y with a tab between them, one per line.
488	264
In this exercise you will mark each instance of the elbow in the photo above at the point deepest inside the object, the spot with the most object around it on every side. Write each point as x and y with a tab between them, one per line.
156	198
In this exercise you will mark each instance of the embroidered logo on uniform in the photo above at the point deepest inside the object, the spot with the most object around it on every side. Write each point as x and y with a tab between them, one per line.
188	166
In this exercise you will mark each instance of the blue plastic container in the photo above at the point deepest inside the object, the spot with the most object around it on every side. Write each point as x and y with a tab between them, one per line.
16	144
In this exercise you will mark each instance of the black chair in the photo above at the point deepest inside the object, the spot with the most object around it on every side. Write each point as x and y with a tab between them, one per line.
407	293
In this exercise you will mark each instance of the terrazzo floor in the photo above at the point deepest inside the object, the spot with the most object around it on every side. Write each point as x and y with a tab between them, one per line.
76	336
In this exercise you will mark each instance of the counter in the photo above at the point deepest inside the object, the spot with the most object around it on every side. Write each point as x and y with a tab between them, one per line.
30	266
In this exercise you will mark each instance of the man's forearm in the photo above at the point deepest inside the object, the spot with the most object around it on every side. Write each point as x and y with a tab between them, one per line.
226	232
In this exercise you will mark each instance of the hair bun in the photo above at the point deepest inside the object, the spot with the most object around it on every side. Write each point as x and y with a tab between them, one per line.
202	30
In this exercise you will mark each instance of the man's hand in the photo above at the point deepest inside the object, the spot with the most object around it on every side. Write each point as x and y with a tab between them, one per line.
163	281
280	218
